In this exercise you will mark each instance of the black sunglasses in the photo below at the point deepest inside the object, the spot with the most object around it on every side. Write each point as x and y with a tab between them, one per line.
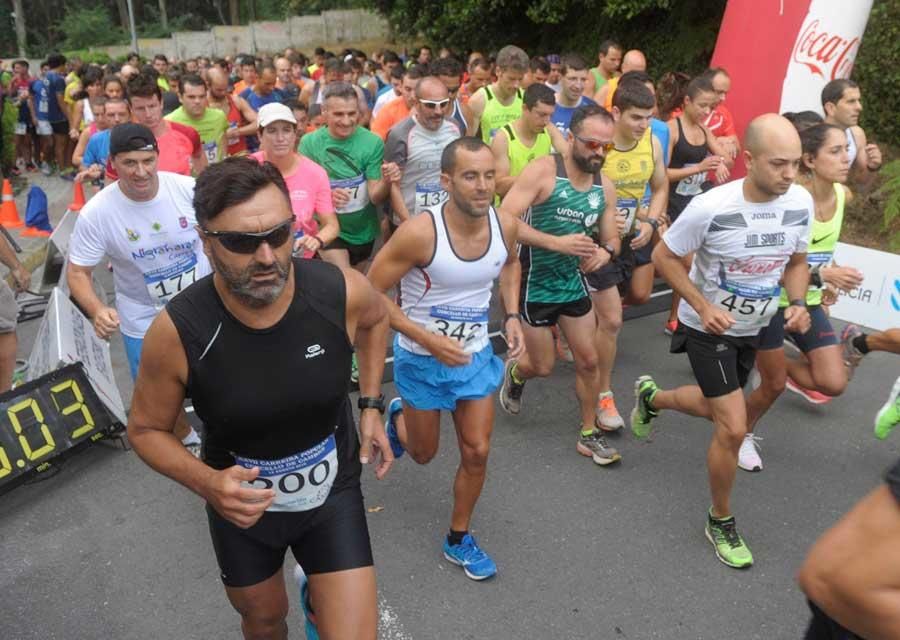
246	243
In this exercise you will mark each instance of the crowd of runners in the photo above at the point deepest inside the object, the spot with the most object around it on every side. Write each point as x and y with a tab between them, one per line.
273	223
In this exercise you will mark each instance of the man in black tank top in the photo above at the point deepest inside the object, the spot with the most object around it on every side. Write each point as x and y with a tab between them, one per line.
263	347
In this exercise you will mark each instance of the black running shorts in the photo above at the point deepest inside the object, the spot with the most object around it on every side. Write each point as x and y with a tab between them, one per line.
546	314
721	364
820	334
358	252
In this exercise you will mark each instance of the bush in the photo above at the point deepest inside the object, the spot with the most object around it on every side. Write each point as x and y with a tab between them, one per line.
876	72
89	26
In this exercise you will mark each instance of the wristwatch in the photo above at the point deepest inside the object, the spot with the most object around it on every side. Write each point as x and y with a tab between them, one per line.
609	249
517	316
798	302
653	222
368	402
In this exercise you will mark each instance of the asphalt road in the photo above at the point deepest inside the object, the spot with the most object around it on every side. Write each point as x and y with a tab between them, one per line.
106	548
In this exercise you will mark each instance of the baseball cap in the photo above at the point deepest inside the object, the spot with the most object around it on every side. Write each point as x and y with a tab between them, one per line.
131	137
273	112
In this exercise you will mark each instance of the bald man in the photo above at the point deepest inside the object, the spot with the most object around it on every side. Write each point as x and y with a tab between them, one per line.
241	116
633	60
746	237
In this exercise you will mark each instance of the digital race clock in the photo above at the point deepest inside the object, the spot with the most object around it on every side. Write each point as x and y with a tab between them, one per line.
46	418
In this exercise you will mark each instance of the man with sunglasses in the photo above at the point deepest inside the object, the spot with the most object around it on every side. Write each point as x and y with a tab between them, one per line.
144	222
360	180
565	194
282	460
416	145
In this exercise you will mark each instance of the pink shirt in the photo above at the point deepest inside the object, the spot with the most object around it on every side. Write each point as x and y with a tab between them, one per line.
310	193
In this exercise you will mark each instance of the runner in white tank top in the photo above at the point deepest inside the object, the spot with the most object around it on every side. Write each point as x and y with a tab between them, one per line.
446	261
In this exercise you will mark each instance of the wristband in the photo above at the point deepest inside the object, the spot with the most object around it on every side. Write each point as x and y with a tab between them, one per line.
368	402
517	316
319	240
653	222
798	302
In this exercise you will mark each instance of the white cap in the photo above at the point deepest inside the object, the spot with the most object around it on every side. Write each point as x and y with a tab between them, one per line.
273	112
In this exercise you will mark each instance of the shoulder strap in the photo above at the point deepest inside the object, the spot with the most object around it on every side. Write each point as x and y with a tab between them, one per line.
509	131
487	92
520	94
194	314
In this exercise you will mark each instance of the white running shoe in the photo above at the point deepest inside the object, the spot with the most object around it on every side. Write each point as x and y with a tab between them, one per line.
748	456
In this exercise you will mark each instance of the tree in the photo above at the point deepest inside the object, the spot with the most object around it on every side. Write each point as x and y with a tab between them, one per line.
21	30
163	14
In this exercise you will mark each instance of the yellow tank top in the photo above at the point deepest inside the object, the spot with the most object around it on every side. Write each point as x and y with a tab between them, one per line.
630	171
495	114
520	155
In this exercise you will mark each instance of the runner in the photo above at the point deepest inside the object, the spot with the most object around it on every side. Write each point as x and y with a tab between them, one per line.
240	115
449	71
857	344
695	152
248	72
353	159
416	145
281	463
446	261
20	89
58	112
161	64
479	73
609	59
500	102
565	193
398	109
553	77
285	83
888	416
145	215
633	163
842	105
315	223
392	91
538	71
524	139
263	91
194	112
633	60
818	376
748	236
98	108
96	153
335	70
573	75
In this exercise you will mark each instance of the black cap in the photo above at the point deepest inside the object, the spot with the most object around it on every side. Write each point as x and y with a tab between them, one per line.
131	137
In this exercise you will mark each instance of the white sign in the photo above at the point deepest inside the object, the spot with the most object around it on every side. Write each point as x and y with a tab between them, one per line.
66	336
876	302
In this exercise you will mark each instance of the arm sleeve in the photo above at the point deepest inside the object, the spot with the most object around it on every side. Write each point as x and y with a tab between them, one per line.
86	248
687	233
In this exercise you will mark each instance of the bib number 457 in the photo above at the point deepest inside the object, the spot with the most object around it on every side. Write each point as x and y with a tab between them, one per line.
746	306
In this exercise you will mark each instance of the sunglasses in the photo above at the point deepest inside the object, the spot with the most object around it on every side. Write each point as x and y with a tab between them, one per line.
247	243
594	145
434	104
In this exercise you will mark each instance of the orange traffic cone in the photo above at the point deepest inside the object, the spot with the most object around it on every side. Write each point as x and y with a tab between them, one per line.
77	197
9	215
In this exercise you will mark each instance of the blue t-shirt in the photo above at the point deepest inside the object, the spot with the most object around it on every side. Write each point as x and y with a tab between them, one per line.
257	101
562	116
97	149
661	131
41	95
56	85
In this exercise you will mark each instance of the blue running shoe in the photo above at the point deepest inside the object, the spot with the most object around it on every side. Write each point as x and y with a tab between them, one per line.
467	554
312	633
395	407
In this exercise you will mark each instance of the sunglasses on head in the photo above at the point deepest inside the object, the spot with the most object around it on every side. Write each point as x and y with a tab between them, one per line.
246	243
594	145
434	104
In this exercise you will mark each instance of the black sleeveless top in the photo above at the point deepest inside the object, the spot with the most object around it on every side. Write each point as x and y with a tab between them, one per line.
683	154
270	393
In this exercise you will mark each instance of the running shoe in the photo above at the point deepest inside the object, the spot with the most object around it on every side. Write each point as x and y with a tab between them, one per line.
852	355
810	395
670	327
67	174
46	169
889	415
748	455
474	561
642	415
730	547
390	427
563	351
511	391
312	633
608	418
594	445
354	369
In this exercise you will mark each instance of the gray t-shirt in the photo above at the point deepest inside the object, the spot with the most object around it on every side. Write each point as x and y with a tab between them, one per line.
417	151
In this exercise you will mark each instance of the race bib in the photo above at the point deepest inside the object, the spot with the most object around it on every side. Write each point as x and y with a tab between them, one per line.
750	305
428	196
467	324
359	193
819	259
165	283
626	210
211	149
302	481
690	186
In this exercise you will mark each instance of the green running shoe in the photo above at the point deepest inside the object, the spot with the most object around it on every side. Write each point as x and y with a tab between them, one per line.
730	547
642	415
889	415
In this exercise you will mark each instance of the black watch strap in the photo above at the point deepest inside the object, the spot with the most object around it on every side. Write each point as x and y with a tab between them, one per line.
609	249
368	402
798	302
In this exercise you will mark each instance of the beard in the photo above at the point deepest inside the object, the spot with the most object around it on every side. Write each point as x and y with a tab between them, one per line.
591	164
240	281
471	210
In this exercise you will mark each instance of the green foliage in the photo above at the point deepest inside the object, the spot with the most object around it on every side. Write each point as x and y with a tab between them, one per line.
890	191
88	57
88	26
7	131
876	72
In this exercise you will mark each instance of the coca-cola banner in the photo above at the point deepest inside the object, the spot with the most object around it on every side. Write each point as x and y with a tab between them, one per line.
780	53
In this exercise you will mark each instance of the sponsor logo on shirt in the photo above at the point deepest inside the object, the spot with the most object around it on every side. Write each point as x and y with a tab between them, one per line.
133	235
765	239
765	215
153	252
594	199
755	266
183	222
314	351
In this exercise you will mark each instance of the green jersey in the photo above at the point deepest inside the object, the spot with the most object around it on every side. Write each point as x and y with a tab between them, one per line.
349	163
551	277
496	114
211	128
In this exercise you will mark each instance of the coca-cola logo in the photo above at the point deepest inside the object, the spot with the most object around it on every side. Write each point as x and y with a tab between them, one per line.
827	55
755	266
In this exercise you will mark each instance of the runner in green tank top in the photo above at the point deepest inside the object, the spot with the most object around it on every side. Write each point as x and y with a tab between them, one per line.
609	59
820	374
565	194
493	106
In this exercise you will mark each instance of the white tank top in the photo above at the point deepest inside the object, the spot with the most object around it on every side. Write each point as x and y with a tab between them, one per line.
87	114
451	296
851	145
